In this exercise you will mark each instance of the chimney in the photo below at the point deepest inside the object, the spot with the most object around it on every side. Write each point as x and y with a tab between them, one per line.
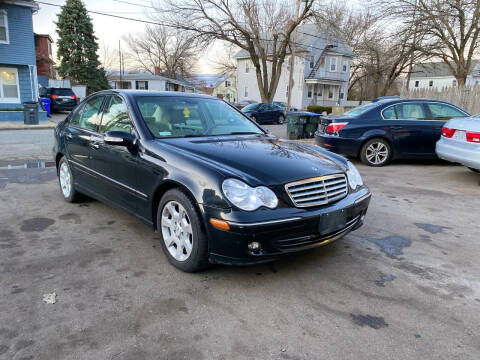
156	70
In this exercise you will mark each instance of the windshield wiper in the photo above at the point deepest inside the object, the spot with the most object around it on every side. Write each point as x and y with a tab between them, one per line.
242	133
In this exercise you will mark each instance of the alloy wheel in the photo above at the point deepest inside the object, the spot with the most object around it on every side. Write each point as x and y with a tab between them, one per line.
177	231
65	180
377	153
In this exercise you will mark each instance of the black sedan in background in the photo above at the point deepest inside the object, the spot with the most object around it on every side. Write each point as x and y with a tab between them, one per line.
63	99
264	113
216	186
390	128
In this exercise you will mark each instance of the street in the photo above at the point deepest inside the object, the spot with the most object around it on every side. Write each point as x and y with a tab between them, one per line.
405	285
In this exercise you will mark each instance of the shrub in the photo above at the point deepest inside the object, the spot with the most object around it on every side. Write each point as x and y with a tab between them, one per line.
319	109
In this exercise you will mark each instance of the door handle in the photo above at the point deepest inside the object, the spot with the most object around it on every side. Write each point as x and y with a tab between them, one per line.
94	144
69	136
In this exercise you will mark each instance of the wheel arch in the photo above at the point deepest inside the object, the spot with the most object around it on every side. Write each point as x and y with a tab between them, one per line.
58	157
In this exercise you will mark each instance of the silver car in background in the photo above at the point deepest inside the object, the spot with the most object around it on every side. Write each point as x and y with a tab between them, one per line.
460	142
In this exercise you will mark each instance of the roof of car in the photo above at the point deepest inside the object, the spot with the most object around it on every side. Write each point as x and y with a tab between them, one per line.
133	93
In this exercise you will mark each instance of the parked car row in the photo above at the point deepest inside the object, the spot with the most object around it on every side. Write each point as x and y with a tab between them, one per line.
396	128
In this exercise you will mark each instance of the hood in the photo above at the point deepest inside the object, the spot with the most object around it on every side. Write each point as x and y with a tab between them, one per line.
259	159
467	124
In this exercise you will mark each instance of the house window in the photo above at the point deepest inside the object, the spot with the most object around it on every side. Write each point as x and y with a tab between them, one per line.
309	91
430	83
3	27
345	65
228	83
9	88
245	91
333	64
49	48
342	95
312	62
167	86
247	67
142	85
454	82
330	93
417	83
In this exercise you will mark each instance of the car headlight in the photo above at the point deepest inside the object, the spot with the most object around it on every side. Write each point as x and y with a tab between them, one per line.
248	198
354	178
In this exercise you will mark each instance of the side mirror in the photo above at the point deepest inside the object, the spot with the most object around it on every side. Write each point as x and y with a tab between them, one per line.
119	138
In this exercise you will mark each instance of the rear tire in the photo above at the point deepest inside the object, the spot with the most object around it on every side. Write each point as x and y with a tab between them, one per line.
376	152
474	170
66	182
281	120
181	233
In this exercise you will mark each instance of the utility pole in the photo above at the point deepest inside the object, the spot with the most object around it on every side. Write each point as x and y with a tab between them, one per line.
292	57
410	66
120	60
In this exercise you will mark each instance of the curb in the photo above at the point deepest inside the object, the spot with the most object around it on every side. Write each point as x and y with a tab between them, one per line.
28	127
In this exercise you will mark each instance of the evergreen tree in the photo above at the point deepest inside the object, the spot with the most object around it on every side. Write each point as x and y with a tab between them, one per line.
77	47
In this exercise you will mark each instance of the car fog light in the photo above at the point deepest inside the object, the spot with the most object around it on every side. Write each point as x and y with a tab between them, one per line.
254	246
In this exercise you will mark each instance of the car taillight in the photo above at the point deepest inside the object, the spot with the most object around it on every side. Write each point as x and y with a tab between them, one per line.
473	136
447	132
335	127
74	97
53	96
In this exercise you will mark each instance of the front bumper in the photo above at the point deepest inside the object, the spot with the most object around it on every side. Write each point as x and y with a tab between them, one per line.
464	153
297	230
339	145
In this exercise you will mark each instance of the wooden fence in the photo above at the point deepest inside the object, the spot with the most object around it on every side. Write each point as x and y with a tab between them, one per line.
467	98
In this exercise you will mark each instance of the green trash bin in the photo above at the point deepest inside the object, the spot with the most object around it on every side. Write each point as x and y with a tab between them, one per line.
300	124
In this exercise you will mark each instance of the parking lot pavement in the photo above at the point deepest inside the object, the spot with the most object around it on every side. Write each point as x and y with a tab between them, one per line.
277	130
404	286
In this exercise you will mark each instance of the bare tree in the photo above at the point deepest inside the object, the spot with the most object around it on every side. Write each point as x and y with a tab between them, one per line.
173	52
450	27
108	56
225	63
260	27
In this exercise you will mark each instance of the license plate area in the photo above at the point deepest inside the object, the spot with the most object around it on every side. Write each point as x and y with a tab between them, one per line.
332	222
460	135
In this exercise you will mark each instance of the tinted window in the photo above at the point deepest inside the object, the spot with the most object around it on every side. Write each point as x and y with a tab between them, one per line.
410	111
75	119
443	111
252	107
115	116
89	118
389	113
62	92
360	110
168	116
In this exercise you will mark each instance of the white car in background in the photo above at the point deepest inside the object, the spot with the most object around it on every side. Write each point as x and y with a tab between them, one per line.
460	142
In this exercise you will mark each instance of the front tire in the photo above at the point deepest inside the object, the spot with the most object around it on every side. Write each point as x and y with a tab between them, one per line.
182	236
65	180
376	152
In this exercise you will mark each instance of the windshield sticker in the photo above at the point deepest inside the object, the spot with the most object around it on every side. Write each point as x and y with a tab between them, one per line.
186	112
164	133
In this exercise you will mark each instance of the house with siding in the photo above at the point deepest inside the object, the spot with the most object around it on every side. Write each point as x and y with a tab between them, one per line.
437	75
321	72
44	55
18	72
226	88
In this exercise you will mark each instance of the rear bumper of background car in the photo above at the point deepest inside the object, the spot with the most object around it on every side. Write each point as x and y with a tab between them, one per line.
299	230
339	145
464	153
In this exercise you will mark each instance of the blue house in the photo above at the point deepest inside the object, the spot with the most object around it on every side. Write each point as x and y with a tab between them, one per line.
18	73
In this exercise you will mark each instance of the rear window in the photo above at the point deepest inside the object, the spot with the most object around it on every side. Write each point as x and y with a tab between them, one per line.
251	107
360	110
62	91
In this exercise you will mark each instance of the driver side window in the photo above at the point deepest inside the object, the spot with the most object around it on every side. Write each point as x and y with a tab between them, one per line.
115	117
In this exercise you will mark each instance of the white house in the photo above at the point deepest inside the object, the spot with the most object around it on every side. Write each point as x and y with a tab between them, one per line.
437	75
323	82
142	80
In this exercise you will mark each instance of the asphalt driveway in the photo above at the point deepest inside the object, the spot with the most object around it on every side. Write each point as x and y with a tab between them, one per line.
404	286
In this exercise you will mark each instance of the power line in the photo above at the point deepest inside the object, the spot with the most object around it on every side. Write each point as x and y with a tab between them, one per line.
160	24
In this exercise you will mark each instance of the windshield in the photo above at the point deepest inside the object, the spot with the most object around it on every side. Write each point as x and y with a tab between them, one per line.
168	116
360	110
252	107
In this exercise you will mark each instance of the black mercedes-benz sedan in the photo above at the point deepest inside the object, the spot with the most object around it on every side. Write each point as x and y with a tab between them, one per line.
216	187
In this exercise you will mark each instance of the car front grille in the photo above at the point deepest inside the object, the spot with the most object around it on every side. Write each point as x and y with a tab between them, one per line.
316	191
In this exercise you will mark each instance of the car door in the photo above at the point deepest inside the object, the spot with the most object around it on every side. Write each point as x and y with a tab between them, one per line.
437	114
114	165
262	115
78	134
408	128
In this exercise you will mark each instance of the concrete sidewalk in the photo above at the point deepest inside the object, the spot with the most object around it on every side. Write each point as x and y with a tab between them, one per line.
18	125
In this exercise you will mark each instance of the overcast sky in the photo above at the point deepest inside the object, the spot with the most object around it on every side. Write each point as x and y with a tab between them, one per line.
107	29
